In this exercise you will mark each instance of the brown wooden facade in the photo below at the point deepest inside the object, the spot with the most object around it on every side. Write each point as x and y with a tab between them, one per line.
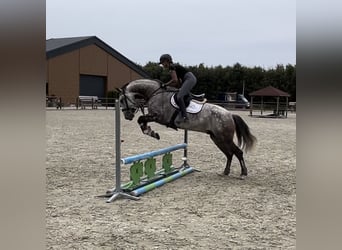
71	58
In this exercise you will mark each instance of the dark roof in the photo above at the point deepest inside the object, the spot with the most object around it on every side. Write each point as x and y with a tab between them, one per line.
269	91
59	46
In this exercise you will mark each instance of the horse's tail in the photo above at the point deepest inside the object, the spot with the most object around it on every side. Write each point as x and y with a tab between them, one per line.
243	134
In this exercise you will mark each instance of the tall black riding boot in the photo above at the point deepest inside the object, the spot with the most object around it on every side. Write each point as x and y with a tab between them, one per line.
182	109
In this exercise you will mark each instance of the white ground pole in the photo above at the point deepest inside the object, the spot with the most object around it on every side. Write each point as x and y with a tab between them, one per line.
118	192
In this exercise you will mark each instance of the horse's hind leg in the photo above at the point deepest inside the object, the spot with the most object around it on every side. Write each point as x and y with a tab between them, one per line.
229	162
230	149
226	149
239	154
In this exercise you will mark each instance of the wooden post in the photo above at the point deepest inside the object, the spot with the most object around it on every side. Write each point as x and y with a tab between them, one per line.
287	106
277	111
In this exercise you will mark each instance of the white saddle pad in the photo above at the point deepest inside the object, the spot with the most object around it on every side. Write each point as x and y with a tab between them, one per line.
193	108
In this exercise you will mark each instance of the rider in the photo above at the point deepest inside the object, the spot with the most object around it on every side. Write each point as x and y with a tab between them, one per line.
180	78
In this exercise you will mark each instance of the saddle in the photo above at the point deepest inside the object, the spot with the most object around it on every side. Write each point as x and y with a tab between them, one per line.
193	103
199	98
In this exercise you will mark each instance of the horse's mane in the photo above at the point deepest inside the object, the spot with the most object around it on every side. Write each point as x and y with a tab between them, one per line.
144	81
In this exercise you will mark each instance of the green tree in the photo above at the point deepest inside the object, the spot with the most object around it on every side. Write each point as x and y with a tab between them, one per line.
213	80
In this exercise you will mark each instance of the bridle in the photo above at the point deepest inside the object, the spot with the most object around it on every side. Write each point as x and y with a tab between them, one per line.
126	99
141	105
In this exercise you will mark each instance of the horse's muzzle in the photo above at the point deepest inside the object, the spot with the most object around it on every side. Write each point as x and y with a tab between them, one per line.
129	117
129	114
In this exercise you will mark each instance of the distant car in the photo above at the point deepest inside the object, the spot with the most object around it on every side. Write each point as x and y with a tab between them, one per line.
242	101
233	100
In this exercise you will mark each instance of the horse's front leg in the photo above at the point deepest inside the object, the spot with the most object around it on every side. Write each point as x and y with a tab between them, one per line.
142	121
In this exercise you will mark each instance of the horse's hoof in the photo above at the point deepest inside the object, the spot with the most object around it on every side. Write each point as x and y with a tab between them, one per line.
243	177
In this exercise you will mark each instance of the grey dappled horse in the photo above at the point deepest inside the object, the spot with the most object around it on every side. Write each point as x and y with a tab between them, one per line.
214	120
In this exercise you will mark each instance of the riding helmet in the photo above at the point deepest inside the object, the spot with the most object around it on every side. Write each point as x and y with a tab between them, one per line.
165	57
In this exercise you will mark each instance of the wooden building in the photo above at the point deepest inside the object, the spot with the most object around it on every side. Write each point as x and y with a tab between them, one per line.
86	66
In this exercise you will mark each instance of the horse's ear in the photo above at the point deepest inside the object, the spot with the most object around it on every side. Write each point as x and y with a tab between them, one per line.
118	90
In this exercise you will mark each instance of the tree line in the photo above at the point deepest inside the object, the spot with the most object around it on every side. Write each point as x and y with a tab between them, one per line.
236	78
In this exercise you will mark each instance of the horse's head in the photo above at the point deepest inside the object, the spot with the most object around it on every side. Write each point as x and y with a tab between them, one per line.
135	94
130	102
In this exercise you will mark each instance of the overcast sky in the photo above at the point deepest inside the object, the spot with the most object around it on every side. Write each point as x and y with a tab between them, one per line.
213	32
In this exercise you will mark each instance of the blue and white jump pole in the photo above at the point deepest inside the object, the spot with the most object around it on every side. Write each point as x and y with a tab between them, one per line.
150	154
162	181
